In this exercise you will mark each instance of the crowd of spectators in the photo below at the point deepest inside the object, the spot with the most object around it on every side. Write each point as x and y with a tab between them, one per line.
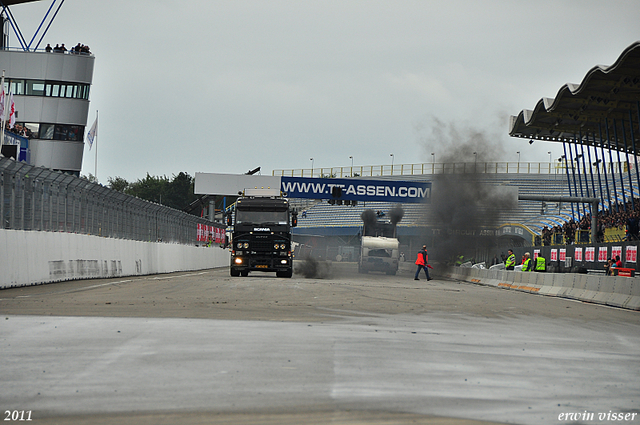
18	129
621	216
78	49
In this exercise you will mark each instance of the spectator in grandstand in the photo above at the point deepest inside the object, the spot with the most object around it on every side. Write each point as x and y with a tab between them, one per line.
48	49
569	229
546	236
608	267
632	227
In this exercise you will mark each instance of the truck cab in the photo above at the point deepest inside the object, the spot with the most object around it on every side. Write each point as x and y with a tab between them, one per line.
261	237
379	248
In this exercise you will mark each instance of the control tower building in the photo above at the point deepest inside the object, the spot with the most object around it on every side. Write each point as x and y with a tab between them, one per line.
51	94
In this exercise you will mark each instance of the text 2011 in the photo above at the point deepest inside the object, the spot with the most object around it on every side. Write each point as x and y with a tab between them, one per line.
17	415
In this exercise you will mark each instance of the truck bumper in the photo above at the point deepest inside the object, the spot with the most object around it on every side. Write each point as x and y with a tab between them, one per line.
258	263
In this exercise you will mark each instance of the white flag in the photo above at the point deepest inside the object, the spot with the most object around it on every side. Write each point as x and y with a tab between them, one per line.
93	131
12	111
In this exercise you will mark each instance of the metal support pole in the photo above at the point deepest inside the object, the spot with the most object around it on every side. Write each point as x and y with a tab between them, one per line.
624	195
566	166
584	171
593	183
613	179
626	154
575	146
604	166
633	141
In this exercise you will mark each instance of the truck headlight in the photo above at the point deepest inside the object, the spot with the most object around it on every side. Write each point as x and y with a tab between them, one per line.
246	245
284	261
239	245
276	246
238	260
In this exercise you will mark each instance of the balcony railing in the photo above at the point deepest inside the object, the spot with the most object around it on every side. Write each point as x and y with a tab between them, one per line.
449	168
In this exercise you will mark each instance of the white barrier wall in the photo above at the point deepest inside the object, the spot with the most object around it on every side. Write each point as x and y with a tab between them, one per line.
616	291
31	257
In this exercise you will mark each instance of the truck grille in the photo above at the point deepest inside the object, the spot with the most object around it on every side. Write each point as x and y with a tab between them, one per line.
261	245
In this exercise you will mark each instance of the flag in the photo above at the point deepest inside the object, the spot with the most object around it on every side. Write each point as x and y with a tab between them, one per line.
93	131
2	103
12	111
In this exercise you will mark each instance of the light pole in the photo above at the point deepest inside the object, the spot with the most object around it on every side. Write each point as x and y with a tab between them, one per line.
392	157
311	159
351	158
434	157
518	157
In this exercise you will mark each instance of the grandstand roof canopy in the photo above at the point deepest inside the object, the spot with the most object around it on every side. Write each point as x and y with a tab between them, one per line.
606	101
12	2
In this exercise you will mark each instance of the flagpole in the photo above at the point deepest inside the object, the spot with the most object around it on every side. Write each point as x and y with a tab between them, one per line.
95	162
3	111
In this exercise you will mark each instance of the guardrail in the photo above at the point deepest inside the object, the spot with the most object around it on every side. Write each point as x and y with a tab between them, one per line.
36	198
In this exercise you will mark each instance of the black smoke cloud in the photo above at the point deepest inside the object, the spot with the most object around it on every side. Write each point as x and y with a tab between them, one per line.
464	203
395	214
370	218
314	269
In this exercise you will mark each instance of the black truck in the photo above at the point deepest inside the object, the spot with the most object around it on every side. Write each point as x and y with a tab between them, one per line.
261	238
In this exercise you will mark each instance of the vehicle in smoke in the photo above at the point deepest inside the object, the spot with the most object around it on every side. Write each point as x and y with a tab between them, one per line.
261	237
379	246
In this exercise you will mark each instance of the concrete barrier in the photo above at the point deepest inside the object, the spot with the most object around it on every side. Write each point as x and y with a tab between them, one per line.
32	257
616	291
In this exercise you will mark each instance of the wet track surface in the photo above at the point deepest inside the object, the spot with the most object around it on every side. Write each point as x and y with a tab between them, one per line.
202	347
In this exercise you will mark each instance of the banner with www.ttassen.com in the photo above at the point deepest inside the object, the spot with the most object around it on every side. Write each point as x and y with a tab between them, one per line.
357	189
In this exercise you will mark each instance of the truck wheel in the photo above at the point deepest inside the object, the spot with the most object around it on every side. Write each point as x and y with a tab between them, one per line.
234	272
244	273
287	274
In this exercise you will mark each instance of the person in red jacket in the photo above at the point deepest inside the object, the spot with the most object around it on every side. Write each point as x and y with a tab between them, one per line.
422	261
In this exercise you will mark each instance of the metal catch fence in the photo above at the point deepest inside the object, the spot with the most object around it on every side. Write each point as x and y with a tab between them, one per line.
36	198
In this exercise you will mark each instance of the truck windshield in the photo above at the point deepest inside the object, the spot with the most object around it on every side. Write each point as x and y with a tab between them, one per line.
382	229
261	217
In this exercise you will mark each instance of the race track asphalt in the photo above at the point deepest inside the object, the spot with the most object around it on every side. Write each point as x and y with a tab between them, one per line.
203	347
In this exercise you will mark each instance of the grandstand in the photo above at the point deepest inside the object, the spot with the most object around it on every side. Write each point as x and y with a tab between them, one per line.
322	218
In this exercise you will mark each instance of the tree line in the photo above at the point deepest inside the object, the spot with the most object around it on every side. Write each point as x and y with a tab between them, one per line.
175	192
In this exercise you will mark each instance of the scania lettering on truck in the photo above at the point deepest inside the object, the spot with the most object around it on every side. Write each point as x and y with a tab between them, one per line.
261	237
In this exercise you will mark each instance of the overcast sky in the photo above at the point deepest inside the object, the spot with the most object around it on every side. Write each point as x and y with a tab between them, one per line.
227	86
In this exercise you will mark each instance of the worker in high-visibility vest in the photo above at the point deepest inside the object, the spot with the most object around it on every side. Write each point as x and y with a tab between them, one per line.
527	264
510	262
541	264
423	263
